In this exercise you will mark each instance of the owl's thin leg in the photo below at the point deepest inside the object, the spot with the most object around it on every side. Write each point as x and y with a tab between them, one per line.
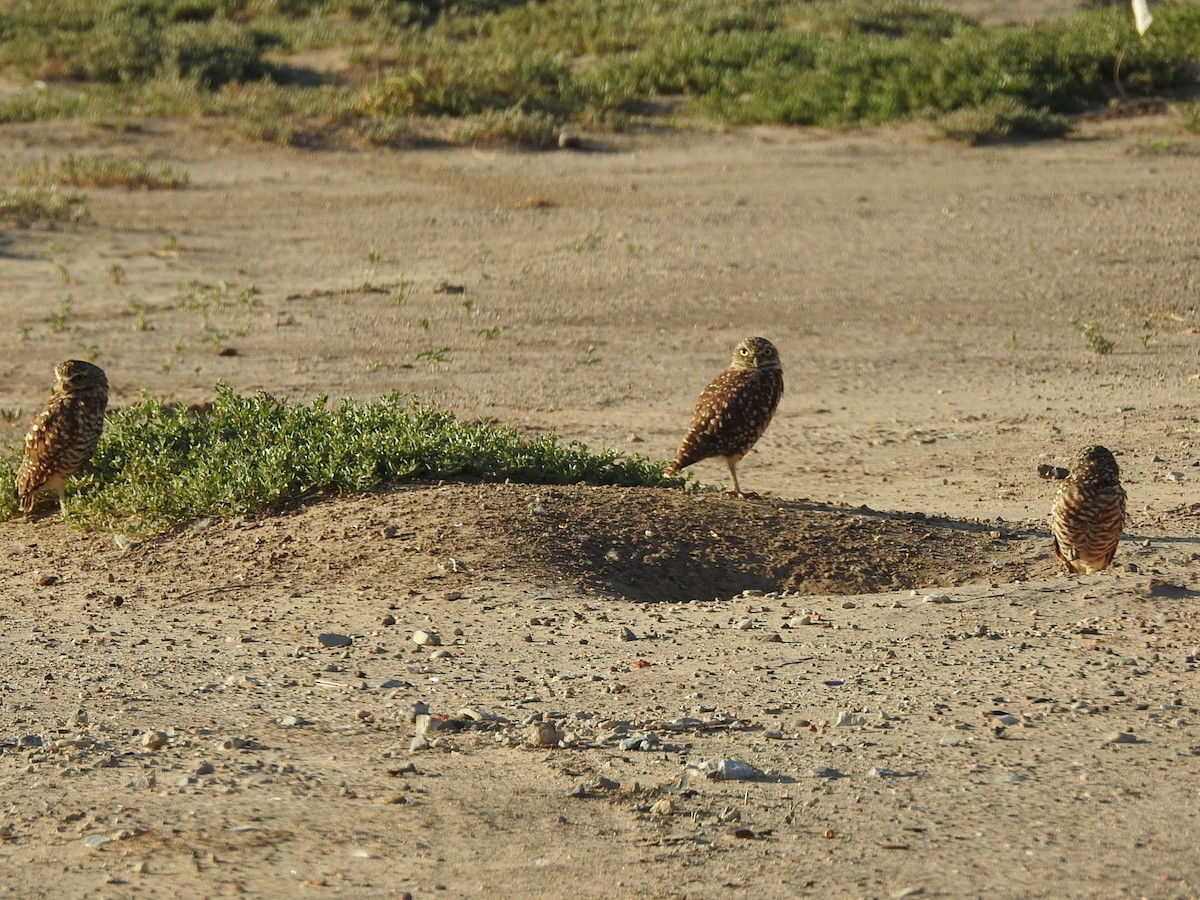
737	491
62	502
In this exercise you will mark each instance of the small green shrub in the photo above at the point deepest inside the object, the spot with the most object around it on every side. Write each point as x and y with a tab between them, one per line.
1189	116
158	465
45	205
1093	336
997	119
38	104
101	171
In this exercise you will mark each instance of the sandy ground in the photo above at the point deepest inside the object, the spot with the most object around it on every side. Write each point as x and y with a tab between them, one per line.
929	707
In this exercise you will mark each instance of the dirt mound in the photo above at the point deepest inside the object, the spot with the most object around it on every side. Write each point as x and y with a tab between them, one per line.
638	544
647	544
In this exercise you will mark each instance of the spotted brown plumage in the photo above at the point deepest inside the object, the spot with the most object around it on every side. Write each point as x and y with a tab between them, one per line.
1089	512
735	409
64	435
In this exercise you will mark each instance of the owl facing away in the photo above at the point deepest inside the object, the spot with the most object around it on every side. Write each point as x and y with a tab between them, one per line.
735	409
1089	512
64	435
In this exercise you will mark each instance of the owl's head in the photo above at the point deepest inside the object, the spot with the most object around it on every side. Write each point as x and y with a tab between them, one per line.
755	353
1095	460
74	376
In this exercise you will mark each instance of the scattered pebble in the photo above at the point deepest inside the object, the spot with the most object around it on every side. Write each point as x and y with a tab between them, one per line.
642	740
542	734
825	772
1121	737
663	807
153	740
726	769
330	639
426	638
627	634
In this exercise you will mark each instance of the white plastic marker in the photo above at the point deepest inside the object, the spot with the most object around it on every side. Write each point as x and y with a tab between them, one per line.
1141	15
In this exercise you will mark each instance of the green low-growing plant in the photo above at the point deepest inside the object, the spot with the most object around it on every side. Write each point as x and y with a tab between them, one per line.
1093	336
61	315
102	171
1189	116
999	118
434	356
1163	146
160	464
41	205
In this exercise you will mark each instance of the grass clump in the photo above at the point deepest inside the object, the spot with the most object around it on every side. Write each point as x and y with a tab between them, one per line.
158	465
100	171
38	104
44	205
1094	337
1189	115
998	119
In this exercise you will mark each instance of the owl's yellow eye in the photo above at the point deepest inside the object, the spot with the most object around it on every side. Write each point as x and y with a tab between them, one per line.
744	351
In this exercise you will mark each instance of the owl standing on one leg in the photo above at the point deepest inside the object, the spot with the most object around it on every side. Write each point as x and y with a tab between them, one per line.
64	436
735	409
1089	512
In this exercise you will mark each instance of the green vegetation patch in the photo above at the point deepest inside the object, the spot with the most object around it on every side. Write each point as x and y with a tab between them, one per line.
43	205
517	71
159	464
102	171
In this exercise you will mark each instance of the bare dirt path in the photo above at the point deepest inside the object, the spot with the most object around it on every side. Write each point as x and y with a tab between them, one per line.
921	297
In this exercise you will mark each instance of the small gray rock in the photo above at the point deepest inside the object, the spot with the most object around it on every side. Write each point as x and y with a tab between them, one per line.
330	639
542	734
726	769
1121	737
825	772
153	740
642	740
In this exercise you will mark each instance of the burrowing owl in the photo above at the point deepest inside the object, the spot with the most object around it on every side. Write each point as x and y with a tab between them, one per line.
1089	512
64	435
735	409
